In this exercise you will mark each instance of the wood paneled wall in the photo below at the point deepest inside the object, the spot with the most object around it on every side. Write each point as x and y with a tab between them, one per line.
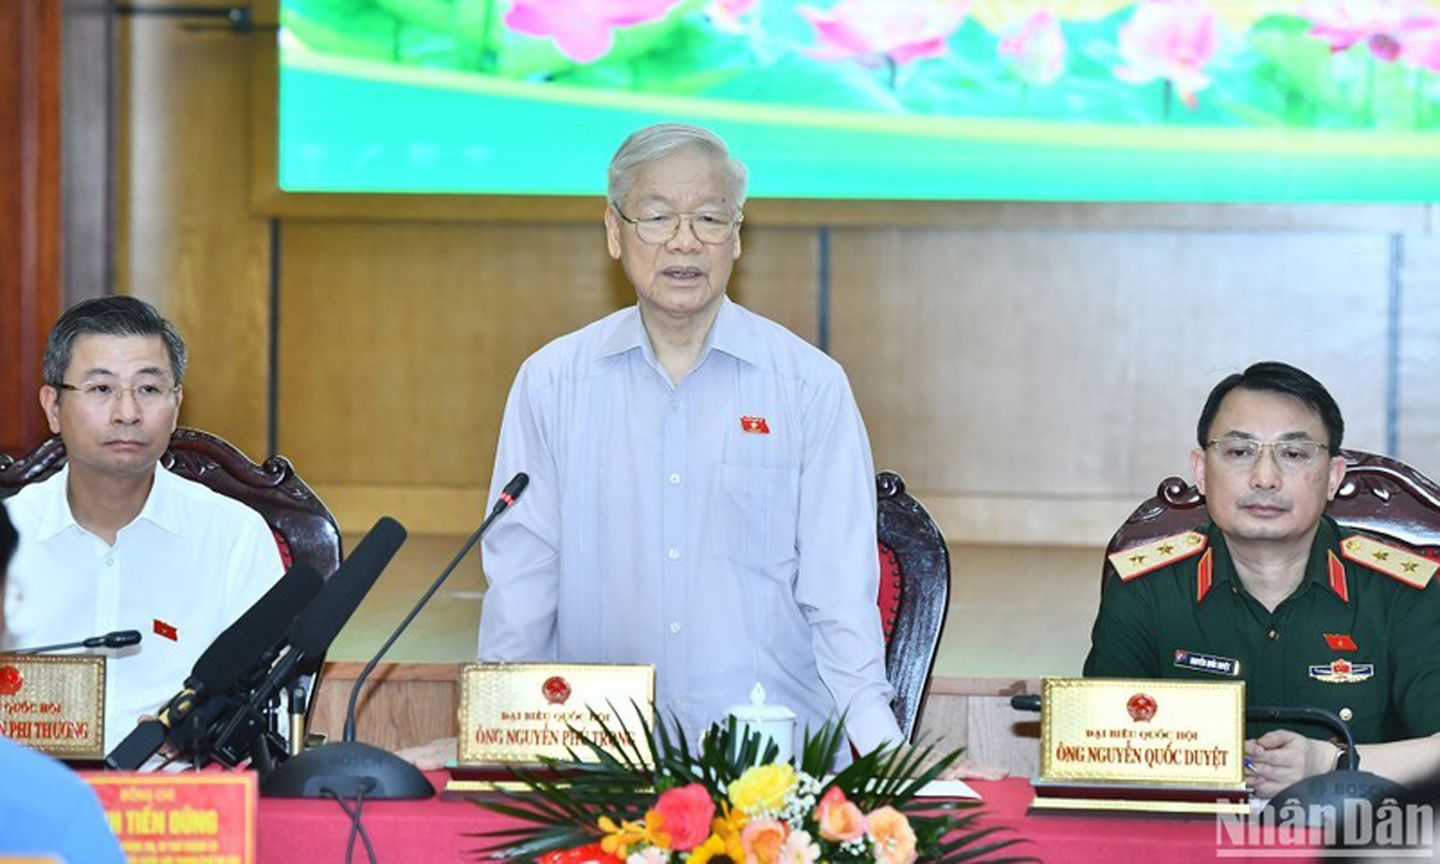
186	238
1032	369
30	50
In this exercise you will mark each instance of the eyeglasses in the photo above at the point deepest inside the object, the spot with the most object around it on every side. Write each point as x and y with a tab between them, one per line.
102	394
1293	457
709	226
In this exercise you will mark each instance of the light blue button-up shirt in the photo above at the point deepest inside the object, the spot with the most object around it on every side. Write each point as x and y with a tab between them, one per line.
722	529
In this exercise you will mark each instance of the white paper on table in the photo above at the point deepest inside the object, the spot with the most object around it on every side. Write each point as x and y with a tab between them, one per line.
947	789
935	789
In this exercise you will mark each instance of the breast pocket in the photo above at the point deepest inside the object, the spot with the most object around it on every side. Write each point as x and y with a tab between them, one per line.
1361	704
755	511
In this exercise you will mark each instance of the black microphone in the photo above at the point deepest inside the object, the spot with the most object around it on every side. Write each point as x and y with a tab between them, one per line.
1025	702
114	639
349	767
1327	792
311	633
227	659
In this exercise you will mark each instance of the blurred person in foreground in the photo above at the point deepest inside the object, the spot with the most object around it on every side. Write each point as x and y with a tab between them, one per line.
45	809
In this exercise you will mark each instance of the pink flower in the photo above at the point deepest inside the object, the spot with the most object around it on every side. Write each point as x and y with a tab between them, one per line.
1386	27
839	819
686	812
762	841
1036	48
903	30
892	835
727	15
799	848
1422	48
1171	39
583	30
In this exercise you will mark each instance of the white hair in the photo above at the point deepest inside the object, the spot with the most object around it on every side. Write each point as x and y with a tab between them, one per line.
661	140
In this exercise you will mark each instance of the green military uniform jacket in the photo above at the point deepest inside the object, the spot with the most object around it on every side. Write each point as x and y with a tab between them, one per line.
1360	636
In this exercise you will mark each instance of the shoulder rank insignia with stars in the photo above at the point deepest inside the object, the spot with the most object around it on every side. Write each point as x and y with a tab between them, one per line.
1139	560
1393	561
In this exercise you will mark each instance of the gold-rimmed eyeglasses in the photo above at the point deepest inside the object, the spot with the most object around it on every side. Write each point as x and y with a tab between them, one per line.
1293	456
148	394
711	227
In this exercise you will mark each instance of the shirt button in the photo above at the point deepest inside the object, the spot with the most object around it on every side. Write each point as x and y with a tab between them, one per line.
1346	714
1274	634
673	554
109	562
674	404
674	479
676	627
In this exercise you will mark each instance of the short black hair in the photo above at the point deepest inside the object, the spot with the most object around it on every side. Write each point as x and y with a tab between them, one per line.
116	315
1274	377
9	539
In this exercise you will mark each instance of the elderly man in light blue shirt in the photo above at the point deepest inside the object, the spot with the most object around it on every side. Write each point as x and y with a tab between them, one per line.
702	493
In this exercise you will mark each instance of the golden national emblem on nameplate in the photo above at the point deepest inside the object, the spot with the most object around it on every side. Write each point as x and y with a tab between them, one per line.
1137	744
518	712
54	704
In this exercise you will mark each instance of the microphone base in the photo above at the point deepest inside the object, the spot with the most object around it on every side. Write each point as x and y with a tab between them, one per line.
348	769
1324	795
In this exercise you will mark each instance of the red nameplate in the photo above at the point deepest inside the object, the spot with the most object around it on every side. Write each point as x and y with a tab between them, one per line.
180	818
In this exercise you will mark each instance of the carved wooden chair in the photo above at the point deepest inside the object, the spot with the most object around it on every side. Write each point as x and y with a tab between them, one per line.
914	594
303	527
1379	495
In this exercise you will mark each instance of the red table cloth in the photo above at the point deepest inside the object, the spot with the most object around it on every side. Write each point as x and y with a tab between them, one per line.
440	830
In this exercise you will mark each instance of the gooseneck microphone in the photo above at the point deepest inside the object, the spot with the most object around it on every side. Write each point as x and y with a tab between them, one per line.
506	500
311	633
349	768
114	639
250	642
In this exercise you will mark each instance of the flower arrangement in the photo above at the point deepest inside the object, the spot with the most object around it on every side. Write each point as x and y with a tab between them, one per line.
652	800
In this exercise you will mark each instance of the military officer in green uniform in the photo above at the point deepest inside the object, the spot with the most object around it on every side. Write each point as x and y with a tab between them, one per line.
1274	592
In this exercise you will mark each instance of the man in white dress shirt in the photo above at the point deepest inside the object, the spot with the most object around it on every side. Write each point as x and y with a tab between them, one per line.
113	541
702	494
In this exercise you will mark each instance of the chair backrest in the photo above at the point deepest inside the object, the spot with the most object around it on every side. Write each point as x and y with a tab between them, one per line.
303	526
914	594
1379	495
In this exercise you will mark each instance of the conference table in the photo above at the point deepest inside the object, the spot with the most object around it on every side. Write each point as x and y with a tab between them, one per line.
444	829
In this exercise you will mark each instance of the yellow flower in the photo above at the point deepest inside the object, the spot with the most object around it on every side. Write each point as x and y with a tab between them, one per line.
762	787
712	847
619	838
724	839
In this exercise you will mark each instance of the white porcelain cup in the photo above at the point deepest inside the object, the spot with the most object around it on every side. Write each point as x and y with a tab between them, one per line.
771	722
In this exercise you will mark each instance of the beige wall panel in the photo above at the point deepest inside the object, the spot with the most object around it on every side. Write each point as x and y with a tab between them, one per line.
186	239
1073	365
1419	366
778	277
399	341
